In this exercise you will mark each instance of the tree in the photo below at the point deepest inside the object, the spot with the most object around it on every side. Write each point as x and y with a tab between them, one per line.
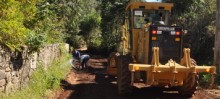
199	20
112	13
76	11
90	30
12	30
32	23
47	24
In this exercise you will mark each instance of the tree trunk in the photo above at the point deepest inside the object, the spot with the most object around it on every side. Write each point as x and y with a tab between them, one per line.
217	36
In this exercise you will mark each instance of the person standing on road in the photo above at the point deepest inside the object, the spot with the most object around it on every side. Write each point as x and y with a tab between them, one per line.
82	58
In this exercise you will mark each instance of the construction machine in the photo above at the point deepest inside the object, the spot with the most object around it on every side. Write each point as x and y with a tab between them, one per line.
152	51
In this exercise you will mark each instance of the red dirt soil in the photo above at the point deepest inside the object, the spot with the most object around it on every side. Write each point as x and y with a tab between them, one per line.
95	84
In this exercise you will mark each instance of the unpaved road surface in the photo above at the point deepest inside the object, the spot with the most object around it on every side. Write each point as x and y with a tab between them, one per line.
94	84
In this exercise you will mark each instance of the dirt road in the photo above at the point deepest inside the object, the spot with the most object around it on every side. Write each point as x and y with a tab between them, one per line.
94	84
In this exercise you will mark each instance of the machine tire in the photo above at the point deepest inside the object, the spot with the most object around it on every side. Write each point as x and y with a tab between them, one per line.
123	74
190	83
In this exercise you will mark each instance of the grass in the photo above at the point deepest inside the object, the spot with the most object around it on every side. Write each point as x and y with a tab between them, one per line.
43	82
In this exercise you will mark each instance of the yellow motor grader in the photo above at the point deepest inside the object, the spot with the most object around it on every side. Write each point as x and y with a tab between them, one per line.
152	50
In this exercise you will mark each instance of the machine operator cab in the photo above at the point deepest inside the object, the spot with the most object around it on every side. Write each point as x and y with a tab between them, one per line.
154	18
156	12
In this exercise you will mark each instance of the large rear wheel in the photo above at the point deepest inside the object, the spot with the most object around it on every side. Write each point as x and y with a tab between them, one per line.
190	83
123	74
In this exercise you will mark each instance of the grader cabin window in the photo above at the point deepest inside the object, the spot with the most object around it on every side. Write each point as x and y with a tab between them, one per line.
155	17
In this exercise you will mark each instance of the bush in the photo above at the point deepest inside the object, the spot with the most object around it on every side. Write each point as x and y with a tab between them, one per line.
205	79
35	41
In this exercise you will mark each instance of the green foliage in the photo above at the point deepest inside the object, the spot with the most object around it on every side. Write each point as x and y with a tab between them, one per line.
199	20
38	22
76	41
12	30
205	79
182	6
35	41
43	80
90	30
95	40
90	22
112	13
48	22
81	20
22	19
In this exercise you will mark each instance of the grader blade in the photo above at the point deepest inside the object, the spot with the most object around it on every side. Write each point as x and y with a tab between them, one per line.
171	73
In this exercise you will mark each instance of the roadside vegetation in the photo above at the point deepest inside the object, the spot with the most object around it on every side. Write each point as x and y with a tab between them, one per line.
43	82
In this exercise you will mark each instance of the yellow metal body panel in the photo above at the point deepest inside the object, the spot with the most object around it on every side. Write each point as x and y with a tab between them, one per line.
150	5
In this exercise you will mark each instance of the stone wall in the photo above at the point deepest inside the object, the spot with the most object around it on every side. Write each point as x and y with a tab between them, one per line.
17	67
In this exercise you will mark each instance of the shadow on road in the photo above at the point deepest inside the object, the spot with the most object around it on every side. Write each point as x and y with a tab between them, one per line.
103	88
